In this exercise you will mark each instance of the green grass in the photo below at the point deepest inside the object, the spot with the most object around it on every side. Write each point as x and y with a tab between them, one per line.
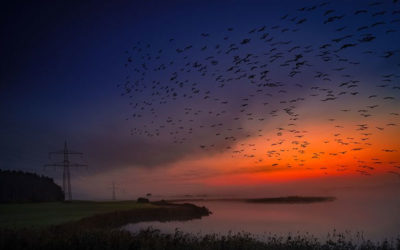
54	213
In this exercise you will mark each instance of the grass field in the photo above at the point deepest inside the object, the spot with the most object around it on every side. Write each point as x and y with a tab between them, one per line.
54	213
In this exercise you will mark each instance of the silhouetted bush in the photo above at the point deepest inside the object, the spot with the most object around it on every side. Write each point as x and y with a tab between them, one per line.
18	186
142	200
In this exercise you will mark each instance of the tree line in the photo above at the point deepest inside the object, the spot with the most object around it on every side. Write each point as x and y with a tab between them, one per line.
19	186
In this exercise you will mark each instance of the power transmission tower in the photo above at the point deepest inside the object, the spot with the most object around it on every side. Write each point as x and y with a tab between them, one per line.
114	188
66	168
113	191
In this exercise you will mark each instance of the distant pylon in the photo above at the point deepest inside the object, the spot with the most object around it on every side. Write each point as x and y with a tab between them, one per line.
66	169
114	188
113	192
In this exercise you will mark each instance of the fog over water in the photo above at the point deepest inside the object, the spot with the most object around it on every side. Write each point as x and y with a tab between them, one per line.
375	216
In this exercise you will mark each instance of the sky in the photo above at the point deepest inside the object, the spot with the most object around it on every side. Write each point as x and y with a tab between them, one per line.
218	98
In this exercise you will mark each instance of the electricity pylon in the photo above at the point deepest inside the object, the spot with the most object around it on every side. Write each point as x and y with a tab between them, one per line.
66	168
114	188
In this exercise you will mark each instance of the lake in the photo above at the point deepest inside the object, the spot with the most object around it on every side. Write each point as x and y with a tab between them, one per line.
376	219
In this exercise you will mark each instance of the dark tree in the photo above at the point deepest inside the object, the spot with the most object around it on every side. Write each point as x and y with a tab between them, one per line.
18	186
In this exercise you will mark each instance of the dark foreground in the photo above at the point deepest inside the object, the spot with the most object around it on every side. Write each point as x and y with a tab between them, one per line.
53	238
101	231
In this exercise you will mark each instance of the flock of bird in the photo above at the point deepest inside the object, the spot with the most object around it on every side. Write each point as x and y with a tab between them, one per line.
254	93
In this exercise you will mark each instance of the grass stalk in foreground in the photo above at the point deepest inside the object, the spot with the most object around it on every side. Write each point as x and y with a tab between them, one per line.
51	238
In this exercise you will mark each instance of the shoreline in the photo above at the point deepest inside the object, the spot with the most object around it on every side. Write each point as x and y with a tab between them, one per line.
42	215
162	212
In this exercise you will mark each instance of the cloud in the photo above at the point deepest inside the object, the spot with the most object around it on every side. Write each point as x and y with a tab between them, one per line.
107	150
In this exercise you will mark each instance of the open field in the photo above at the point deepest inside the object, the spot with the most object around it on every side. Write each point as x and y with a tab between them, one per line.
55	213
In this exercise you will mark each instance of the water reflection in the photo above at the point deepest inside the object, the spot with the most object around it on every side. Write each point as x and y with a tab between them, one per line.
376	219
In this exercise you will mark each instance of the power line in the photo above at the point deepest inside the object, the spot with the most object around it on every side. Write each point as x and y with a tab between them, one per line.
66	168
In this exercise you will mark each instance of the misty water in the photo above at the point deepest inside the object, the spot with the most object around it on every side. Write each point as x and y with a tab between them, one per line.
377	219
